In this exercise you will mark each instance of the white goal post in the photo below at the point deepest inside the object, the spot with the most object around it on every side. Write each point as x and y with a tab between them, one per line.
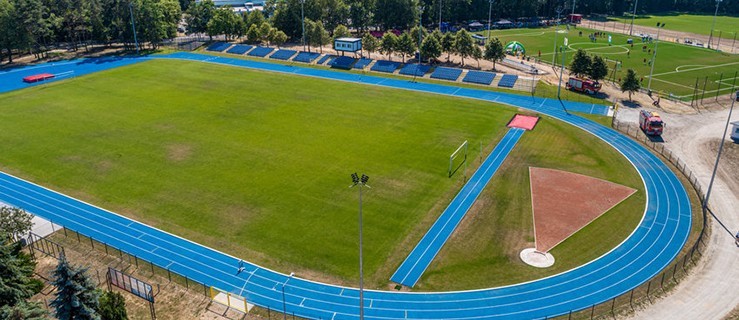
455	155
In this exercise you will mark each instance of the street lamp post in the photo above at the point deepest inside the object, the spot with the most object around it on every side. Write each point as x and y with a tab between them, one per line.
360	182
710	37
561	72
718	156
633	15
556	28
490	13
420	16
573	8
133	26
284	305
302	21
654	56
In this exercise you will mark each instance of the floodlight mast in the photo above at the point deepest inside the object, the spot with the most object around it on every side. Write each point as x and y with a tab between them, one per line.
420	16
133	26
710	37
654	57
556	28
490	14
361	182
633	15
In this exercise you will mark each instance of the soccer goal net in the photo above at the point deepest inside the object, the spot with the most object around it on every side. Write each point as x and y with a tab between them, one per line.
458	158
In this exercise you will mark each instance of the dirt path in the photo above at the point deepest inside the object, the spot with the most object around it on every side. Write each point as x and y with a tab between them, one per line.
710	292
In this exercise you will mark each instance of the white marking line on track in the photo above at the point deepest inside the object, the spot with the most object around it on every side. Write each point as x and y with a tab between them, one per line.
455	91
542	102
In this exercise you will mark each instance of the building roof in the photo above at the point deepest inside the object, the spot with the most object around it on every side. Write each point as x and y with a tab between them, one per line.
347	39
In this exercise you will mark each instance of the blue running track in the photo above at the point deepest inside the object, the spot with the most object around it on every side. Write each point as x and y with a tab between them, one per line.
420	258
656	241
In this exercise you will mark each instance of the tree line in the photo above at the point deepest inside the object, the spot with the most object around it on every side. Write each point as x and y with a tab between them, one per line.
76	296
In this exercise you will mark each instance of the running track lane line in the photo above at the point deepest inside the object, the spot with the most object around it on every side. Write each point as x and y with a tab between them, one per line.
421	256
652	246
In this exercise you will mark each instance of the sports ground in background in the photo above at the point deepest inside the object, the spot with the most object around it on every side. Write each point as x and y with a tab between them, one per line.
692	23
257	164
677	67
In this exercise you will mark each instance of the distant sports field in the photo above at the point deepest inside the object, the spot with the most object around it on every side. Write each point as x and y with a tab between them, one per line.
258	165
677	67
693	23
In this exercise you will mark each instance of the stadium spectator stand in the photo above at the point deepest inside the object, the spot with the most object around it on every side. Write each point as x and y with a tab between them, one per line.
479	77
239	49
362	63
218	46
451	74
306	57
507	81
385	66
260	51
342	63
325	58
283	54
415	69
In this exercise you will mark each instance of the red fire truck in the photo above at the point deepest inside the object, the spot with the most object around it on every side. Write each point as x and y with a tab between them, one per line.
582	85
651	123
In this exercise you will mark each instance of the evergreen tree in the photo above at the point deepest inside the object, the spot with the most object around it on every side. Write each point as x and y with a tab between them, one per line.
253	35
581	63
431	48
387	45
464	44
112	306
264	30
198	15
255	17
477	54
277	37
360	13
23	311
494	51
16	270
599	69
630	83
341	31
370	44
76	296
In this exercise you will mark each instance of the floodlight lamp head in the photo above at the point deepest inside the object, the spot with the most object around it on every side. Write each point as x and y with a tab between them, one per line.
355	178
365	178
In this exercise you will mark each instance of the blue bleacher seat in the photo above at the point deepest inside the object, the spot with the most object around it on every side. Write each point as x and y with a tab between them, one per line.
361	63
385	66
306	57
283	54
239	49
446	73
260	51
218	46
507	81
479	77
415	69
325	58
342	62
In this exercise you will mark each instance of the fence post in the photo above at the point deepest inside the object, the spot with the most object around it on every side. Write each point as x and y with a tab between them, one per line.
613	305
78	236
65	232
649	286
152	268
661	283
592	311
106	248
674	270
631	299
169	275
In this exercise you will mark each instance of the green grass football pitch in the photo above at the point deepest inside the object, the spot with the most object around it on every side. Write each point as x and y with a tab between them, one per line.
676	71
693	23
257	165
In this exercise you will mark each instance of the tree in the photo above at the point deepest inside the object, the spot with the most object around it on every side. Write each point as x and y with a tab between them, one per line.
581	63
226	22
317	35
255	17
112	306
388	44
16	270
405	45
370	44
447	44
494	51
341	31
477	54
464	44
333	13
23	311
252	34
76	296
599	69
14	222
630	83
264	30
431	48
399	14
198	15
360	13
414	33
277	37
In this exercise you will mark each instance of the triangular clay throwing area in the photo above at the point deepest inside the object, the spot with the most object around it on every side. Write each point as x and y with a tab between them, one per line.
565	202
